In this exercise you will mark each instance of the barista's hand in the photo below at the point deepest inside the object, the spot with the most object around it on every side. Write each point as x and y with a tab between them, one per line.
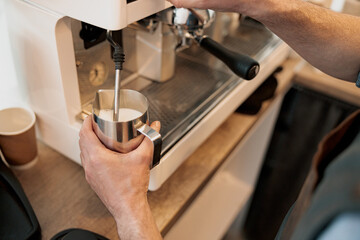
120	180
317	34
253	8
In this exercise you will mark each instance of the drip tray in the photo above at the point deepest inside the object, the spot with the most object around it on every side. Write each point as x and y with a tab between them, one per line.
182	101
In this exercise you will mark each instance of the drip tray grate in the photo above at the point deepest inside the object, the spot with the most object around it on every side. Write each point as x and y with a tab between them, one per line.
184	98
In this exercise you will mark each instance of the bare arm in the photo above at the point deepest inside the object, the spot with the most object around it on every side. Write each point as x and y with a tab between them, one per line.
328	40
121	182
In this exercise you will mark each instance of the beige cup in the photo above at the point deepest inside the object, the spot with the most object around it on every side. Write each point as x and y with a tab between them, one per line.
17	136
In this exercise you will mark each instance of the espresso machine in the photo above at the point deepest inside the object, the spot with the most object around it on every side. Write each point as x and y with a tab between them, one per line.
183	60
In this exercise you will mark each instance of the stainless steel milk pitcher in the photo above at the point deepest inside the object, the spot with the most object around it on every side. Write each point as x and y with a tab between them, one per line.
124	135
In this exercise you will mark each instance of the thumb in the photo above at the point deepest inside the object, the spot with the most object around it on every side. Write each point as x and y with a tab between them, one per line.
156	126
147	146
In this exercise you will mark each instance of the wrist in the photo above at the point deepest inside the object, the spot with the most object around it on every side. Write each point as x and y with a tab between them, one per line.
130	211
129	206
135	221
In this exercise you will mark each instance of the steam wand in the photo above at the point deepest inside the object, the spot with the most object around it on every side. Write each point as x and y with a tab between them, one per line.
119	59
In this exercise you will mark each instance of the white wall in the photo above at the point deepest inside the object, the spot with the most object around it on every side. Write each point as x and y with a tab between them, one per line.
10	94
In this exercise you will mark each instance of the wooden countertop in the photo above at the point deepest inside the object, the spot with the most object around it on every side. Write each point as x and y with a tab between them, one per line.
62	199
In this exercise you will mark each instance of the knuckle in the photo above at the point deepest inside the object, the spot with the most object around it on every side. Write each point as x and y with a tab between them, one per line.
89	171
87	176
81	133
177	3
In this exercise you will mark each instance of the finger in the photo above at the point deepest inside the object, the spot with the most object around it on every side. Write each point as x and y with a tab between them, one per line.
156	126
176	3
88	134
87	125
189	3
146	147
82	159
88	140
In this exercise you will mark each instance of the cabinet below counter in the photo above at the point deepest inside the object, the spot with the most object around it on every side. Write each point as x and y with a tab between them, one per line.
62	199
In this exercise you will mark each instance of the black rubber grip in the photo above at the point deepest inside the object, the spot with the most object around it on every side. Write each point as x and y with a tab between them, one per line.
242	65
119	58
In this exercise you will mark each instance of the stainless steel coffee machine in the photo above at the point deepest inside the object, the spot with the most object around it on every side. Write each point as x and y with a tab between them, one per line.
62	57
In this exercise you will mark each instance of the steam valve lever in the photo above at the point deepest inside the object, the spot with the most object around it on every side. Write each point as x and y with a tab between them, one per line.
190	24
119	58
242	65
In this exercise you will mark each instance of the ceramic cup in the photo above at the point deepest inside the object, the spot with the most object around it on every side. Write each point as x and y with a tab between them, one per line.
126	133
17	136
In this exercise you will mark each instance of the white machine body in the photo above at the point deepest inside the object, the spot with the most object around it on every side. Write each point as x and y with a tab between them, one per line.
44	59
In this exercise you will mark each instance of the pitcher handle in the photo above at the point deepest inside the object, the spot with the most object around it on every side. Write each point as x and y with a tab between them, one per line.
155	137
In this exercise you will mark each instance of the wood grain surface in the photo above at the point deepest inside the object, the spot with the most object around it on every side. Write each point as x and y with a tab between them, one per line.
61	197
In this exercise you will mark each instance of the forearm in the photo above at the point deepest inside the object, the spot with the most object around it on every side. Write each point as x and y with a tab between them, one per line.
329	41
121	181
135	221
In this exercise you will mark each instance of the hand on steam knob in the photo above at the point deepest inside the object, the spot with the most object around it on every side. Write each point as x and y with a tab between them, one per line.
247	7
326	39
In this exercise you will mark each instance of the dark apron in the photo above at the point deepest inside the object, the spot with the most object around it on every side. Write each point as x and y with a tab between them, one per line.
332	186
